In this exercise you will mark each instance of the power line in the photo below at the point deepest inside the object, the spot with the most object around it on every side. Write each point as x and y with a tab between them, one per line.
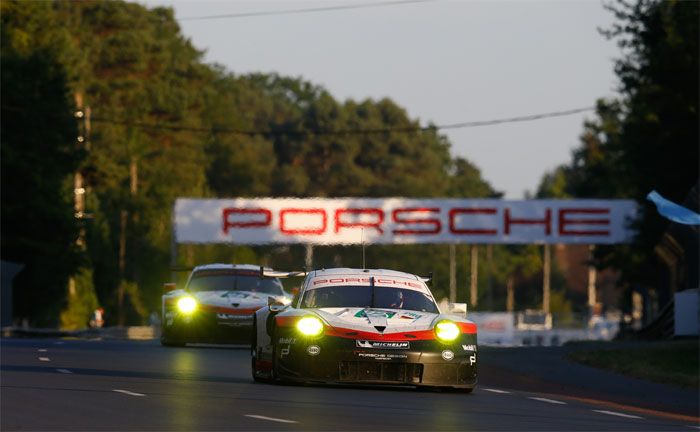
301	11
317	132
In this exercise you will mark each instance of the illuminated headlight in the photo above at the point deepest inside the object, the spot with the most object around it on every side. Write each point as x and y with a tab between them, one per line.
284	300
446	331
187	305
310	326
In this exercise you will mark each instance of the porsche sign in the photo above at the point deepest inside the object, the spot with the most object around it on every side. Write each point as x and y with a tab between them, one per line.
401	221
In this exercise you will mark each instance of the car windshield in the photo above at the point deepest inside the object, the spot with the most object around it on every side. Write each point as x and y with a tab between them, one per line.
231	280
363	296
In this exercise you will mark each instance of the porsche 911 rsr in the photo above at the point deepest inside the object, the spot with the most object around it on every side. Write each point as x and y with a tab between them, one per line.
364	326
217	304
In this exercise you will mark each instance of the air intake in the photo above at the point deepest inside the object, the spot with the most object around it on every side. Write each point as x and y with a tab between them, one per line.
380	329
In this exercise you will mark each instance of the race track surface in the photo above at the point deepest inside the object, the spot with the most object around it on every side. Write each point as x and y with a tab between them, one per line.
63	384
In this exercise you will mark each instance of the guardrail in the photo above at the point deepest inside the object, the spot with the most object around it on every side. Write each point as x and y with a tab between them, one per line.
131	332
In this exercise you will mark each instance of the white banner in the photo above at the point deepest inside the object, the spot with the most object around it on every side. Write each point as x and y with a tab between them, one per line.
258	221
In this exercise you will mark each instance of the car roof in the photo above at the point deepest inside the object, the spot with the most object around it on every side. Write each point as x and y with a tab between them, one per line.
362	272
220	266
354	277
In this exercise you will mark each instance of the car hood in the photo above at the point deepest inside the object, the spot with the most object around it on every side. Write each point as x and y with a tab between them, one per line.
377	320
233	299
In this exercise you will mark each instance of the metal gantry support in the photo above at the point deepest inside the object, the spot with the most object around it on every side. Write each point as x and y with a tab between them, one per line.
546	277
453	273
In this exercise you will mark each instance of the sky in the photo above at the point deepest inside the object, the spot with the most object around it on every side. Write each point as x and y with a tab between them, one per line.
443	61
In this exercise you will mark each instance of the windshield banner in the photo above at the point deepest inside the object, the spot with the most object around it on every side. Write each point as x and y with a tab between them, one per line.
258	221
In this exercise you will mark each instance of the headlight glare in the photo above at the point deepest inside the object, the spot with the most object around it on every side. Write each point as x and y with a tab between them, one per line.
187	305
446	331
310	326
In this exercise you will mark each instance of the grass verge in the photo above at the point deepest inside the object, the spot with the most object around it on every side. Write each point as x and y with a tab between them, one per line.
670	362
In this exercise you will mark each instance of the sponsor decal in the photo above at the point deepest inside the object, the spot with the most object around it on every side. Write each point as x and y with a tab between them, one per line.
313	350
284	352
381	356
374	314
469	347
472	359
377	281
448	355
234	317
382	344
288	341
410	315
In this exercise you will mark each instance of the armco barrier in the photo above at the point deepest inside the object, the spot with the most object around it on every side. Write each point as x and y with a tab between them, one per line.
132	332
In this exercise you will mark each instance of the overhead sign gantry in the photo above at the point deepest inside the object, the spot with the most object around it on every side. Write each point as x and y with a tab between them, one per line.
327	221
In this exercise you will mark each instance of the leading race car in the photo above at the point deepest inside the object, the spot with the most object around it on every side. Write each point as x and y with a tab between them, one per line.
217	304
364	326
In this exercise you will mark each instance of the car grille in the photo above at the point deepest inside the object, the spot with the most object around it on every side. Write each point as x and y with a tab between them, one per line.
407	373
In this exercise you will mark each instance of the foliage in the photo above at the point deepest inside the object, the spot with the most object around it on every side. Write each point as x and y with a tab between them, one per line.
164	124
81	303
38	158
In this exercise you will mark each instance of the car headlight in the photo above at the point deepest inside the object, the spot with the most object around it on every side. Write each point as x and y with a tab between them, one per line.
187	305
446	331
310	326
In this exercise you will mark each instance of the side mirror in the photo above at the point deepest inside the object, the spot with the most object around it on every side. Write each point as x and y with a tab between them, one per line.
169	286
274	304
457	309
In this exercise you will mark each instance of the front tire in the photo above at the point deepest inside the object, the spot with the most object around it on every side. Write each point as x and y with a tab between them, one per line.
254	352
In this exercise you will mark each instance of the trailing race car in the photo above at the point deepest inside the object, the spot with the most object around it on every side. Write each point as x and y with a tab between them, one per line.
364	326
217	304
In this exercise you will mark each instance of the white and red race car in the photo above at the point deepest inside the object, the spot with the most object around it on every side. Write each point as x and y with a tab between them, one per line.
364	326
217	304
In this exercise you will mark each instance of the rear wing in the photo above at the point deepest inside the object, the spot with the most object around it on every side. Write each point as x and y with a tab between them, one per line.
280	274
428	279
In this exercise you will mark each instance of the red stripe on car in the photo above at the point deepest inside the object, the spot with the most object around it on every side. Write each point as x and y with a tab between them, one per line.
286	321
466	328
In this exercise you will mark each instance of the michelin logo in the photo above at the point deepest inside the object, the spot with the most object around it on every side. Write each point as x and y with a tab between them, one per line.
382	345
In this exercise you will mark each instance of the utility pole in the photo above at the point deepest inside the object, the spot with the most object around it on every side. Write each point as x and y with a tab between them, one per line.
510	296
474	275
453	273
309	259
546	277
82	114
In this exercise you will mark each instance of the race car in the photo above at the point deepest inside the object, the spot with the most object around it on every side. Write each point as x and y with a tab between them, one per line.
364	326
217	304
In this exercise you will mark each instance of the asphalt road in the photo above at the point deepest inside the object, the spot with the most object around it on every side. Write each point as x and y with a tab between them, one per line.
63	384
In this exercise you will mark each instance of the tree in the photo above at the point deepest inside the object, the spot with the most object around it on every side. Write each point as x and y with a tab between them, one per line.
647	139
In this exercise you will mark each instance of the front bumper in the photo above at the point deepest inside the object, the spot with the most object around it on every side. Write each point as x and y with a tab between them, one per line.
342	360
207	327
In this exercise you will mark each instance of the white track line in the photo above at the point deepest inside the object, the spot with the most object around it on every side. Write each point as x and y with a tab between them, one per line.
278	420
130	393
494	390
552	401
58	343
44	359
613	413
65	371
42	350
694	427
